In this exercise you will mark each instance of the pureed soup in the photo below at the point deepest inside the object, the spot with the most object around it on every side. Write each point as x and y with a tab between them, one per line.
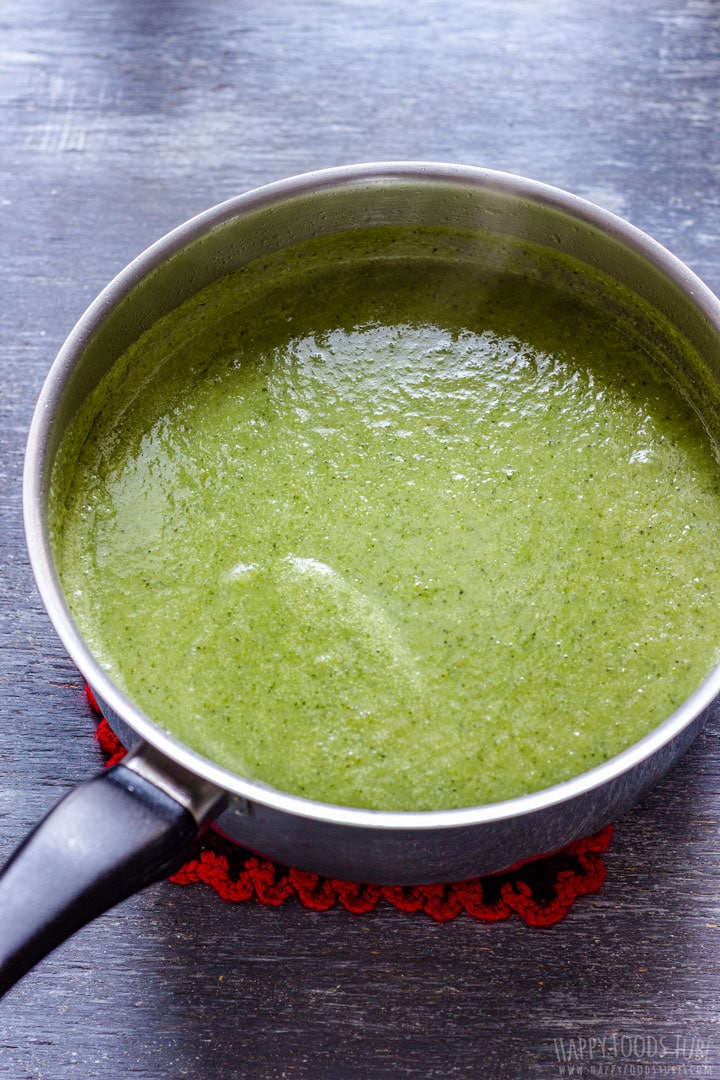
403	518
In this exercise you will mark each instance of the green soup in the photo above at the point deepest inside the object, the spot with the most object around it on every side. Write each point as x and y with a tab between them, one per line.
383	523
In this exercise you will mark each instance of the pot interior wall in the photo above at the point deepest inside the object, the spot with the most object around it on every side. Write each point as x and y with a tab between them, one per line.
227	239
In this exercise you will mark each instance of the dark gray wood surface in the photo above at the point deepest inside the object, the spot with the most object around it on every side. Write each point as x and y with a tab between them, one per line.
120	119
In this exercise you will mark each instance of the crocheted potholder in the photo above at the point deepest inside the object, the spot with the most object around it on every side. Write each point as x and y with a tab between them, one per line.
540	891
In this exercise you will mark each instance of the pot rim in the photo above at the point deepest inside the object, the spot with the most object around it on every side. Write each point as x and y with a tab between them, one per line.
35	475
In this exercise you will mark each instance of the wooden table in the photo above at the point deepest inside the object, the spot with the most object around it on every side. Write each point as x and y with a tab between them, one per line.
119	120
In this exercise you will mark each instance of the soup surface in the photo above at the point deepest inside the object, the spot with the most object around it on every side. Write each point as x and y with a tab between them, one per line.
383	526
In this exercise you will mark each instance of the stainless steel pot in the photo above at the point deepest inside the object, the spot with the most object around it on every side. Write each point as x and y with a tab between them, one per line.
146	811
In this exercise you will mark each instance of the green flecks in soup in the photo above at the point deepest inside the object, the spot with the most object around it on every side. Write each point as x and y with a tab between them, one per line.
381	526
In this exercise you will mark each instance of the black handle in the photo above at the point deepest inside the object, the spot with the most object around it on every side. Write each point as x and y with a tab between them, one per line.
104	841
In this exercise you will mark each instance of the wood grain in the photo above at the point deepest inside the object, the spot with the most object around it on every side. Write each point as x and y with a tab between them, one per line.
118	121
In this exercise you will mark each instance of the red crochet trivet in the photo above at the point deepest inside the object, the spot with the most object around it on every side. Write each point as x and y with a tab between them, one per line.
540	892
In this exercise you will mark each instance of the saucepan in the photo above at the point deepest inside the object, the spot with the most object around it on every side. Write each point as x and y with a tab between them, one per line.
133	824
